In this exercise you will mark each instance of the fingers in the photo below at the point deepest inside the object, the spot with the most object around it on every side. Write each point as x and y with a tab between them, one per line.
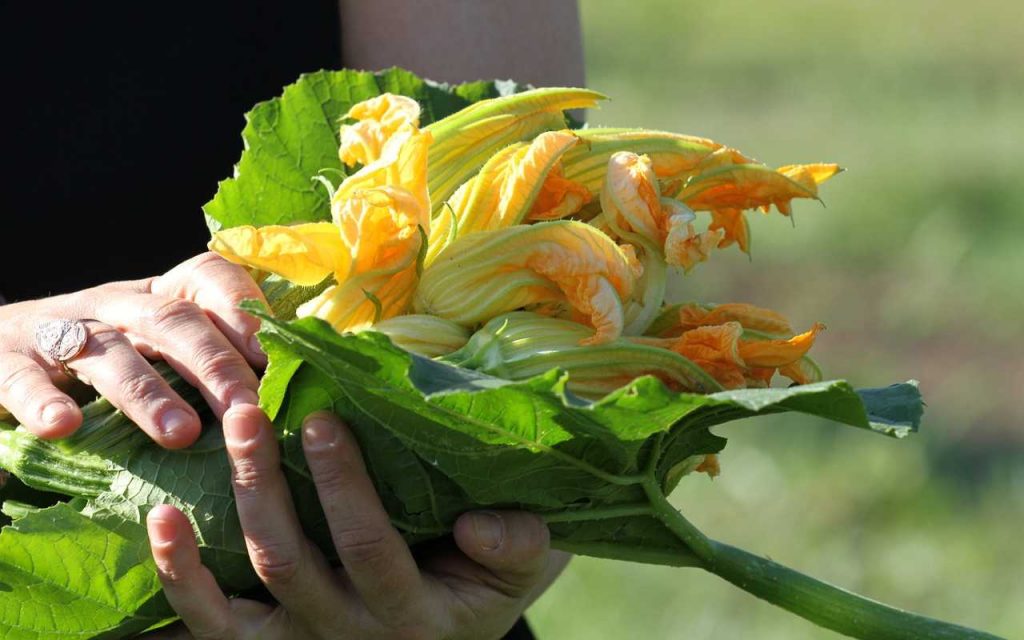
512	546
189	586
111	364
218	286
27	391
182	334
282	557
376	558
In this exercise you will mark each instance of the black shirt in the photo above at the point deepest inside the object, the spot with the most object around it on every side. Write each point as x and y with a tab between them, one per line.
118	120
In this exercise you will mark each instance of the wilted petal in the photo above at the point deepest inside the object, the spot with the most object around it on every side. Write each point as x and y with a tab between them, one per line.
559	197
734	227
377	120
304	254
687	248
716	350
743	187
778	352
694	315
484	274
802	371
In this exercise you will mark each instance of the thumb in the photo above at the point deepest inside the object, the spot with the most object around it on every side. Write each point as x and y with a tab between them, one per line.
512	545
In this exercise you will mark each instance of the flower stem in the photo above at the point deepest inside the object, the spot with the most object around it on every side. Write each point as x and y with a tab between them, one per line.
827	605
813	600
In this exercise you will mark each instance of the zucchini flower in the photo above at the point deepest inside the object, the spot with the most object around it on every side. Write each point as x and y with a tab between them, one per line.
377	119
632	204
673	156
424	335
504	192
738	344
372	247
682	317
465	140
521	344
563	263
749	186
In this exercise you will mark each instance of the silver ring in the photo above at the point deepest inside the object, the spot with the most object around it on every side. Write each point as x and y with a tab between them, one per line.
62	340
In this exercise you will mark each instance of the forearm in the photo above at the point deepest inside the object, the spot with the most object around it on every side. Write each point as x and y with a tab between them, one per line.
534	41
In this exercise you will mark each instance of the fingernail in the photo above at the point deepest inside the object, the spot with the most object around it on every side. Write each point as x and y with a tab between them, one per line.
318	434
53	412
239	430
489	528
176	422
243	396
161	531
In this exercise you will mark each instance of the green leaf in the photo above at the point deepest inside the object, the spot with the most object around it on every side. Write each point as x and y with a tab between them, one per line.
64	575
292	138
441	440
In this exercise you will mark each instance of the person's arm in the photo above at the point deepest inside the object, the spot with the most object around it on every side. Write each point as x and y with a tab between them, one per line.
531	41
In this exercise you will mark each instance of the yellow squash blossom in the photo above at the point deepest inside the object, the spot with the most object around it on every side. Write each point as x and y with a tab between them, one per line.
484	274
503	193
380	216
377	119
737	357
371	253
673	156
632	205
465	140
749	186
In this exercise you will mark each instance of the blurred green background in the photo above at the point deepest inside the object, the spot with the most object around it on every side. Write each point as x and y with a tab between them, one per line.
915	266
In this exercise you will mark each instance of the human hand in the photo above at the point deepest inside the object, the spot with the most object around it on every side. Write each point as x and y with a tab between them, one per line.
472	590
188	317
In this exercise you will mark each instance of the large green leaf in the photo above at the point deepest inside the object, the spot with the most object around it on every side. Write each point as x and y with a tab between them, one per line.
441	439
292	138
64	575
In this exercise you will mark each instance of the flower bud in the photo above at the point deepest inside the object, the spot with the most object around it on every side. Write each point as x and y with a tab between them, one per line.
521	344
424	335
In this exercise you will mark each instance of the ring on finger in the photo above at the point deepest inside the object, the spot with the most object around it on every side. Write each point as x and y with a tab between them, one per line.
62	341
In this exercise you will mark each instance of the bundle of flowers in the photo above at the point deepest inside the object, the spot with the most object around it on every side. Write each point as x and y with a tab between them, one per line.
479	290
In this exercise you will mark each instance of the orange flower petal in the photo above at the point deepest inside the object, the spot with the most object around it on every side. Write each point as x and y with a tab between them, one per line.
716	350
744	187
778	353
559	197
734	226
750	317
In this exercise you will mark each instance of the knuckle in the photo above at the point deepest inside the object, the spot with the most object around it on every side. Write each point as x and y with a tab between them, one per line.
141	388
275	562
367	545
171	313
14	379
248	476
215	361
